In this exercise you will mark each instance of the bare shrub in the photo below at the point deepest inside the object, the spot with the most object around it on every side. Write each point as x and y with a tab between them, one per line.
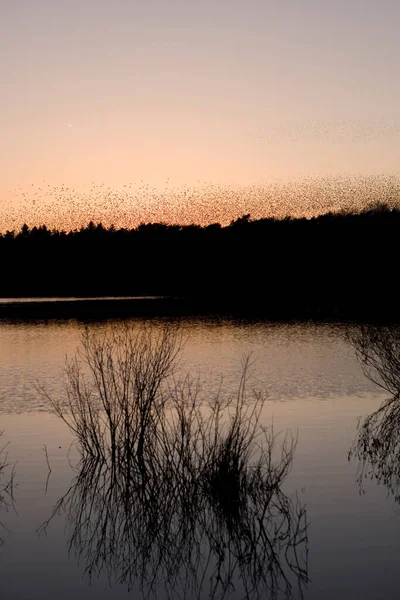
7	486
378	351
172	490
378	442
114	389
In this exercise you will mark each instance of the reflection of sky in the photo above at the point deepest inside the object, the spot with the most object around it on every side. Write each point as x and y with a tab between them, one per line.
120	92
288	361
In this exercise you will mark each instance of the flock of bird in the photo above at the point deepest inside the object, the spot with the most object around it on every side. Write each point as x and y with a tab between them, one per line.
63	207
331	131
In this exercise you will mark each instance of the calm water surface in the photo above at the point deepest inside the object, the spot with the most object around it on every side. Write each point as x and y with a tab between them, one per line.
315	388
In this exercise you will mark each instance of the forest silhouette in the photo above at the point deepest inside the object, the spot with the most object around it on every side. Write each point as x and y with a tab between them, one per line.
337	264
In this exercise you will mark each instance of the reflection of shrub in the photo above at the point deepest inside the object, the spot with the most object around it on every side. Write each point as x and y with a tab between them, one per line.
180	530
172	490
6	487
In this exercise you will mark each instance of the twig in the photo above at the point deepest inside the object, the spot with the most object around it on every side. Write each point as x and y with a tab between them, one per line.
49	467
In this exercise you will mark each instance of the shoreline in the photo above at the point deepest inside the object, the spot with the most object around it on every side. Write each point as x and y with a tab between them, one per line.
104	308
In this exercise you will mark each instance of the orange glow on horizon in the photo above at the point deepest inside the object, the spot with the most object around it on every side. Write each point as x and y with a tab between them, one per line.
129	205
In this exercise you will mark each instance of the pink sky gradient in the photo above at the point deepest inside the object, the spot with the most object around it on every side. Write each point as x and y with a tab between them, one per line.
162	95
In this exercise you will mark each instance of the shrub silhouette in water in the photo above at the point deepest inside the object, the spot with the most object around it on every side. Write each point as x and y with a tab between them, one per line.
378	442
172	491
114	399
7	486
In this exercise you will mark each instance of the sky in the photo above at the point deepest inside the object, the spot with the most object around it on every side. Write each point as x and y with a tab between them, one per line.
126	110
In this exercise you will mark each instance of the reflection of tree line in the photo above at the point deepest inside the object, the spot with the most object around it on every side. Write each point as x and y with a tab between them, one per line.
171	495
378	442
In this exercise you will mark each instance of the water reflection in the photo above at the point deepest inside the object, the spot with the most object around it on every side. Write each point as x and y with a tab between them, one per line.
173	494
295	361
377	445
6	485
180	533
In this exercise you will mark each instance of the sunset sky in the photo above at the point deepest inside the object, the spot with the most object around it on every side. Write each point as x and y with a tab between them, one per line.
171	107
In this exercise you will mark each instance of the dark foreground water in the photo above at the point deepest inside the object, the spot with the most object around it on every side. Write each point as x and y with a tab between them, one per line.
315	388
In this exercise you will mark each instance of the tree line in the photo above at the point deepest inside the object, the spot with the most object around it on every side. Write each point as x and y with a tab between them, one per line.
337	263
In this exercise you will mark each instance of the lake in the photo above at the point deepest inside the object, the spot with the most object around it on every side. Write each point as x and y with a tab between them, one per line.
315	388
